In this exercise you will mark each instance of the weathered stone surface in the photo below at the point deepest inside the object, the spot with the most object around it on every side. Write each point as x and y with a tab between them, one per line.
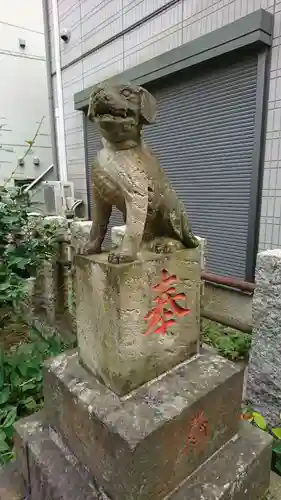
264	373
80	231
144	444
51	473
12	486
239	471
117	235
275	488
112	302
46	290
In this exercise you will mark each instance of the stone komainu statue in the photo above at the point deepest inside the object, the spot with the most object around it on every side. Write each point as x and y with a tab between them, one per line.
128	176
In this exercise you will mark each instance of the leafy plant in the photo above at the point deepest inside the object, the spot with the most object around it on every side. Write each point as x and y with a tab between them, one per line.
21	384
259	421
230	343
25	243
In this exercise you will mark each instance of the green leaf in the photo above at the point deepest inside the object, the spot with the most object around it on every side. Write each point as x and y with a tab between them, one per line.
28	386
4	395
278	466
10	418
277	447
277	432
25	349
42	346
23	367
9	431
1	377
35	373
2	435
15	379
4	446
30	403
259	420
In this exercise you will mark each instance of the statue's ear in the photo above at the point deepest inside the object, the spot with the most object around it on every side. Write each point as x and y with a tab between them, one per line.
147	106
89	114
91	100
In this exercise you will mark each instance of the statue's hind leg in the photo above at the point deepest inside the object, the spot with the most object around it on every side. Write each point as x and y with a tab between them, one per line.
157	238
163	244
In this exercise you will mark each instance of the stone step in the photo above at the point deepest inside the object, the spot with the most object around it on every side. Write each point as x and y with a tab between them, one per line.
238	471
12	486
49	472
148	442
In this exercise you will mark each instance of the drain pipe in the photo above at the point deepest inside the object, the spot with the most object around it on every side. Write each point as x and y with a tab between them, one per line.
50	88
59	112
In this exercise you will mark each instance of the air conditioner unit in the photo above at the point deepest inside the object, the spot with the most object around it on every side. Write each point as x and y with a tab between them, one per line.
58	196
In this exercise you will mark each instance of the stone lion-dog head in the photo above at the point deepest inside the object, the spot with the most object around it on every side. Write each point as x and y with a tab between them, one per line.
121	111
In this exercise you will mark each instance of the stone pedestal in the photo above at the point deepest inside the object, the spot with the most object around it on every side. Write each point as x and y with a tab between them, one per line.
135	321
176	438
139	412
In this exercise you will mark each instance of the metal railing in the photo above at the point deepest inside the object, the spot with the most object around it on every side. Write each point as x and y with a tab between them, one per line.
228	301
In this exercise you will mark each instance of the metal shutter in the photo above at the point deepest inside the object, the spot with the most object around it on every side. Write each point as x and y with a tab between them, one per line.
204	138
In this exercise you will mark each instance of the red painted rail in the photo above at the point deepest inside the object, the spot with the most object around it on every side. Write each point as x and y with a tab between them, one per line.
244	286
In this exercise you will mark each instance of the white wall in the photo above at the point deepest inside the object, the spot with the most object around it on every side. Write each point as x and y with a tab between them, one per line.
23	88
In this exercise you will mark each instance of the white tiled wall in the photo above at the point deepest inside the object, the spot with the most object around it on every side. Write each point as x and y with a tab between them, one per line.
93	22
75	156
154	37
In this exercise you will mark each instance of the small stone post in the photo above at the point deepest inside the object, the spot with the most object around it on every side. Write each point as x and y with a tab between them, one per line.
46	293
264	374
79	231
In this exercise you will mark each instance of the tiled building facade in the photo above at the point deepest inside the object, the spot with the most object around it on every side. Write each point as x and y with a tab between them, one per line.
111	36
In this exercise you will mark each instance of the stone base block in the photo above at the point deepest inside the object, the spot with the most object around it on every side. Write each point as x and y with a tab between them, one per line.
238	471
137	320
12	486
49	472
145	444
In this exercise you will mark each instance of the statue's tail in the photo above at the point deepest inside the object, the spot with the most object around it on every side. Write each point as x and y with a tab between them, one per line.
182	227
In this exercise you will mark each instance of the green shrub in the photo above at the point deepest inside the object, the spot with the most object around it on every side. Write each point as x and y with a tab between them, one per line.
21	384
25	243
230	343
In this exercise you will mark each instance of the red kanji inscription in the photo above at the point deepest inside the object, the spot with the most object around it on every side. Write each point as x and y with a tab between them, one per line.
162	315
198	432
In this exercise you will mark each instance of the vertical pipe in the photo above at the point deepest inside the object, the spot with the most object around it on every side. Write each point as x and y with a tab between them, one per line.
50	89
59	109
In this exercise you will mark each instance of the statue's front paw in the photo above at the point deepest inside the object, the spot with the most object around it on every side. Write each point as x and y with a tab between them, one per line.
119	257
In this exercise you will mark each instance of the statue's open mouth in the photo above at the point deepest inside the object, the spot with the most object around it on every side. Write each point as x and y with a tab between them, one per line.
109	116
106	112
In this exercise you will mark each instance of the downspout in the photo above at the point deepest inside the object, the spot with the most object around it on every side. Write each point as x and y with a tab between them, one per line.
59	112
50	88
